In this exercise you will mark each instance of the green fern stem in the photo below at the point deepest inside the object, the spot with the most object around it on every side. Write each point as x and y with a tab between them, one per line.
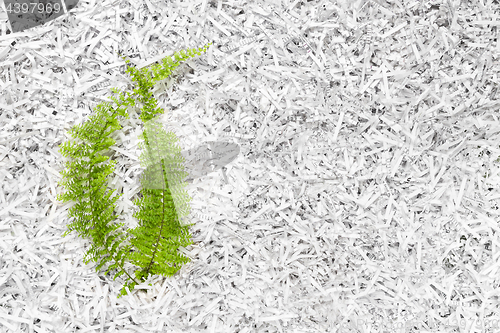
164	194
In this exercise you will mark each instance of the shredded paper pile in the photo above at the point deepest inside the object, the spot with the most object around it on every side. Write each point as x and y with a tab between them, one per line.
357	189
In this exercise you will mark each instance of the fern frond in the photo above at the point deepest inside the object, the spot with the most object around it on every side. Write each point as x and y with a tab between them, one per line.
85	182
159	233
153	244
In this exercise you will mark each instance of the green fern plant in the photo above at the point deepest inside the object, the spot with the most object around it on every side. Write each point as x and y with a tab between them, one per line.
152	245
